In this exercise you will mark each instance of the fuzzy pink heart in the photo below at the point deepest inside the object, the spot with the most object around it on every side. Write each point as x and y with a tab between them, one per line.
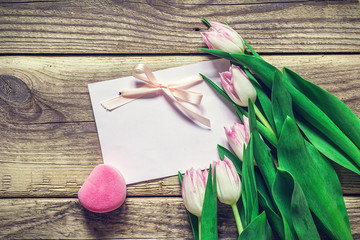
104	190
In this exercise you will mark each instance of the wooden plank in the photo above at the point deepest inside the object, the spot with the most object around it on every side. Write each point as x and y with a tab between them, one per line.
138	218
108	27
57	86
48	140
52	179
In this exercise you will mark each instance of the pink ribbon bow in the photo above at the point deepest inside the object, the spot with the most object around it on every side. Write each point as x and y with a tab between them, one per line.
175	91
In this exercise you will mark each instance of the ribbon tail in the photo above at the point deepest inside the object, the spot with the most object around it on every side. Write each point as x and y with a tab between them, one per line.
187	96
194	116
116	102
127	96
138	92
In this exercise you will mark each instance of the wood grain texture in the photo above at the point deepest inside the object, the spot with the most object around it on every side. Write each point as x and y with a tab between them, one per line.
58	85
138	218
113	26
48	138
51	50
39	179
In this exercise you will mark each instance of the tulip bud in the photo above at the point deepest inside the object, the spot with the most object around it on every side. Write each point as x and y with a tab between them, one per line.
238	137
238	86
222	37
228	182
193	190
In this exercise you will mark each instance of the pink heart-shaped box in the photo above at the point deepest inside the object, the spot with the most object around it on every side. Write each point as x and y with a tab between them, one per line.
104	190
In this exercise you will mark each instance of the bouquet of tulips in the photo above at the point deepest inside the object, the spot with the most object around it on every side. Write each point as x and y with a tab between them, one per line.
278	172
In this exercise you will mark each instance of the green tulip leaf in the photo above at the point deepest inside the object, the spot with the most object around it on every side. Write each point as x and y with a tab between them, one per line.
217	88
249	189
325	146
235	160
317	179
218	53
333	107
262	152
314	115
209	211
206	21
264	131
258	229
293	206
251	49
263	98
267	134
252	117
194	222
274	218
261	187
303	222
240	112
333	183
281	100
304	107
264	199
260	68
266	166
282	192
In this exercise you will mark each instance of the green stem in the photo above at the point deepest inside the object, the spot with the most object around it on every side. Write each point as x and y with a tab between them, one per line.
263	120
267	134
252	50
262	129
237	218
199	219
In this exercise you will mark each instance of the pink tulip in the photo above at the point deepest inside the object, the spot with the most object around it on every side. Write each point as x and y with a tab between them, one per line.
238	137
238	86
222	37
193	190
228	182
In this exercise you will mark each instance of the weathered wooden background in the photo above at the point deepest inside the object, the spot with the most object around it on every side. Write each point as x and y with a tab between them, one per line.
51	50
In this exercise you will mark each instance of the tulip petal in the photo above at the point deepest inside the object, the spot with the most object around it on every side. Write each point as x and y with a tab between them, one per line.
228	33
243	87
247	129
228	182
228	86
264	198
193	190
205	38
193	219
218	41
236	139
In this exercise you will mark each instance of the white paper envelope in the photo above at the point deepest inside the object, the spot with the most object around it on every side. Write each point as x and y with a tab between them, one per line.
150	137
